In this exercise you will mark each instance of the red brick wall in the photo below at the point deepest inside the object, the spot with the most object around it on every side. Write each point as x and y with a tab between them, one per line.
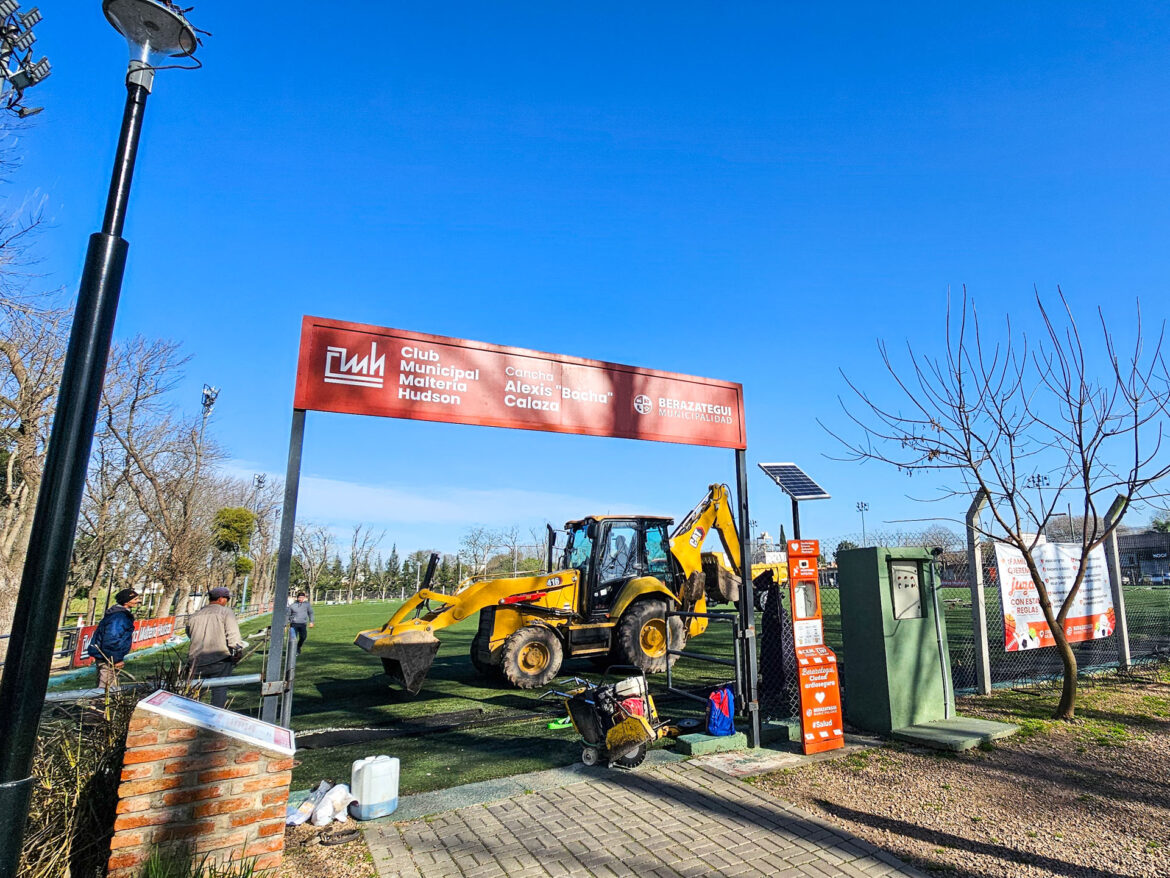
188	786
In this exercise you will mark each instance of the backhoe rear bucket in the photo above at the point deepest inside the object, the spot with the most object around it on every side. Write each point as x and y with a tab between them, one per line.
722	585
406	658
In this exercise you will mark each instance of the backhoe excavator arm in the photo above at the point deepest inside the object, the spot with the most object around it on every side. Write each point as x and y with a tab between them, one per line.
713	511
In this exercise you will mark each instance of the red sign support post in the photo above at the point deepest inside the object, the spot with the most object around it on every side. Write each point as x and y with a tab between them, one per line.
820	693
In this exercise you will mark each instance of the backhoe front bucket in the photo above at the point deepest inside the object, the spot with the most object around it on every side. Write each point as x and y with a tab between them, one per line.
406	657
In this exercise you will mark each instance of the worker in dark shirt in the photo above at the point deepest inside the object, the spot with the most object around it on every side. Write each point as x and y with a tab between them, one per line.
113	638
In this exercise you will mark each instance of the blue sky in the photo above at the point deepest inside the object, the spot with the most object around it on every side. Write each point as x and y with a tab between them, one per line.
754	192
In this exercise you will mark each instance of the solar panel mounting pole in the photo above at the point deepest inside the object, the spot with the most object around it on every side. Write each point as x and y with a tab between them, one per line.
795	519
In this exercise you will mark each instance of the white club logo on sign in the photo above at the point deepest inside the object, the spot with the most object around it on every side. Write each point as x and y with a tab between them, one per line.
643	404
367	371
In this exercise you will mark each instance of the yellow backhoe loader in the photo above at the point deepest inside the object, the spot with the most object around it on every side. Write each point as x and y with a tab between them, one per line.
608	600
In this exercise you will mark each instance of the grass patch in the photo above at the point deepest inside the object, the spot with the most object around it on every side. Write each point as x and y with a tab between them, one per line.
856	761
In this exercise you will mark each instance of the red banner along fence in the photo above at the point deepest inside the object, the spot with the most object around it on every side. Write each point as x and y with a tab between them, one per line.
147	632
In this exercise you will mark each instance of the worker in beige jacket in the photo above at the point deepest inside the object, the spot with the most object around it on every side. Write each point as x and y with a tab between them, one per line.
216	644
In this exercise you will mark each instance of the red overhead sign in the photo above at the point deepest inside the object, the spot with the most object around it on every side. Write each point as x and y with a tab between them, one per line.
392	373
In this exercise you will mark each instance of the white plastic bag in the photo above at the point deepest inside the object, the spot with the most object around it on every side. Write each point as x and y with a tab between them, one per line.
333	806
297	816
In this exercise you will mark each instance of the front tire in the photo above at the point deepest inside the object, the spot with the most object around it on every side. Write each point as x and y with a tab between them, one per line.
642	636
532	657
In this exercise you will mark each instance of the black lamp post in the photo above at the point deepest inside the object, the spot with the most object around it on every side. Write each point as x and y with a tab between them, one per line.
154	29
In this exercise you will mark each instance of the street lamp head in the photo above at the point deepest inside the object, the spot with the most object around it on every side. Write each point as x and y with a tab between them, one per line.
155	29
210	395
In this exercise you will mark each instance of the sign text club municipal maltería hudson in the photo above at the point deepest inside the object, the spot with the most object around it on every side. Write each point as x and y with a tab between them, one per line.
370	370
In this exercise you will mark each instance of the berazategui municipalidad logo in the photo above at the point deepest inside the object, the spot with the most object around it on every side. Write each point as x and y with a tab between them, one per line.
360	371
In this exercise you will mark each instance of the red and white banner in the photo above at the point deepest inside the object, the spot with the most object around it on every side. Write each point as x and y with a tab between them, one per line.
1091	616
147	632
392	373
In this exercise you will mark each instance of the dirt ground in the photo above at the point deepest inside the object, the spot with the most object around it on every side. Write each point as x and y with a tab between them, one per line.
1087	798
305	857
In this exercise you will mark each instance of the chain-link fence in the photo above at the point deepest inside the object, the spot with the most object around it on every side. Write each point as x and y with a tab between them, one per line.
1147	612
778	687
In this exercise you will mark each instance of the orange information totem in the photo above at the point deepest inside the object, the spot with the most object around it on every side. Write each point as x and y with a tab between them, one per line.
820	695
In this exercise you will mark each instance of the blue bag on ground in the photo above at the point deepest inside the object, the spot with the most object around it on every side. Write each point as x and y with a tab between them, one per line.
720	712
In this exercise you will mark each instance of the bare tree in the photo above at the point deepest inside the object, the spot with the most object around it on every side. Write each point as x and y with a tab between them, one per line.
110	526
508	539
266	502
361	545
32	351
990	414
474	548
164	455
313	545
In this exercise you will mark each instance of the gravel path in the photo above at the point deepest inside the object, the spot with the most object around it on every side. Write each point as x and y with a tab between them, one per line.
1088	798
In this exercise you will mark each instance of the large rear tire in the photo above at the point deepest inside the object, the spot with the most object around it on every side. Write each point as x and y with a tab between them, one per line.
642	635
487	669
532	657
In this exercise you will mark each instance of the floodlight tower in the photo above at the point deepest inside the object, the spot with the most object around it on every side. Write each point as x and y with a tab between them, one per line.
17	68
154	30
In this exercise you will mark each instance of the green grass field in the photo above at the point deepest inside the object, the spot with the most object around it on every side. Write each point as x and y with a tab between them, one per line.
340	686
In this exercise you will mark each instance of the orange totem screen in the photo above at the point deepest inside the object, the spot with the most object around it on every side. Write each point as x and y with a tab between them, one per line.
392	373
820	696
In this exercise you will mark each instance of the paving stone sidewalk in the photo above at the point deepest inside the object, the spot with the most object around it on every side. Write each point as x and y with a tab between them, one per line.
682	819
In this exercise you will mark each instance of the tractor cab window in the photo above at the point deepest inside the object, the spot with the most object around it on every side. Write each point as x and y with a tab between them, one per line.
579	549
657	548
618	562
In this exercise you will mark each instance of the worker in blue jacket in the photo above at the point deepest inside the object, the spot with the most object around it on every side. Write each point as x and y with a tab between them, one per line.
113	638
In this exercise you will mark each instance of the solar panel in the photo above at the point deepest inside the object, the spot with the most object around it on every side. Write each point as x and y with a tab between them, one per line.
793	481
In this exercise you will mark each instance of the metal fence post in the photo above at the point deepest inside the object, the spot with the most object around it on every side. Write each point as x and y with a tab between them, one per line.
290	675
978	606
1113	559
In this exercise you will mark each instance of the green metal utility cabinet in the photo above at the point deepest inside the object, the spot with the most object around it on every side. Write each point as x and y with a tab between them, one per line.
894	668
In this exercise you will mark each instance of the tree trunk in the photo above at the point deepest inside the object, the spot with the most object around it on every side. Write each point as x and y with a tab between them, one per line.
1066	708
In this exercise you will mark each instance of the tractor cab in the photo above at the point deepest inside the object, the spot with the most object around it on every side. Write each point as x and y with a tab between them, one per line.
610	551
